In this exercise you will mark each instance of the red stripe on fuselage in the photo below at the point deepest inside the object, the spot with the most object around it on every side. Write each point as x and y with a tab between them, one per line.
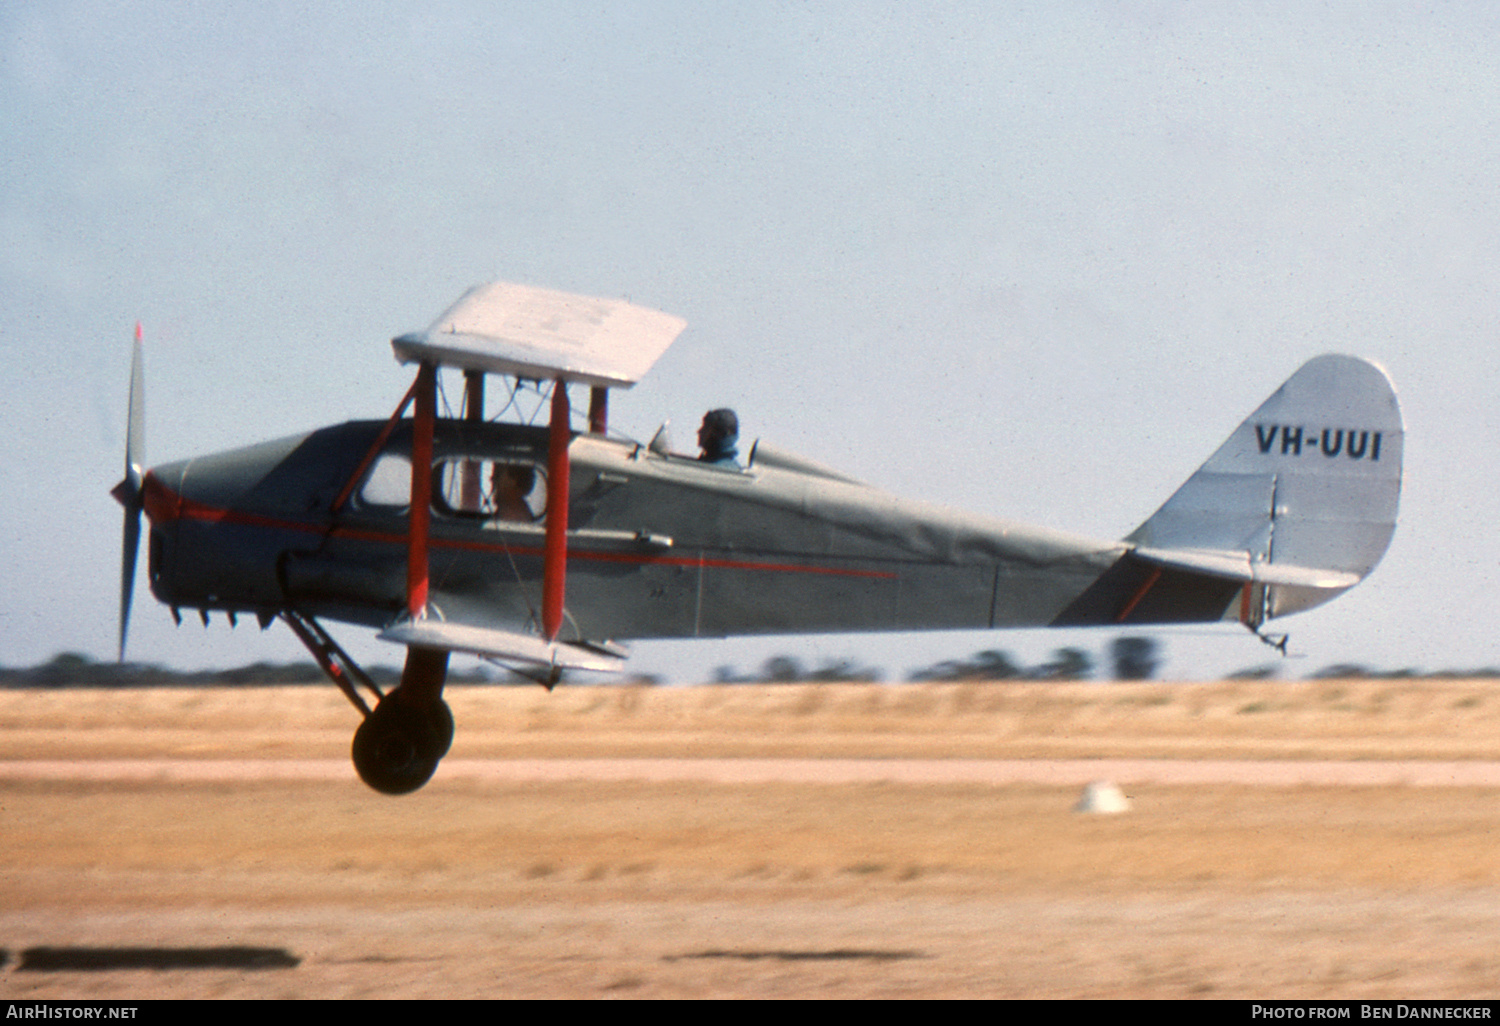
164	506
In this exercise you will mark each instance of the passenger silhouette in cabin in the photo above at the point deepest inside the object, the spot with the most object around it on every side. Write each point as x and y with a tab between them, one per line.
510	484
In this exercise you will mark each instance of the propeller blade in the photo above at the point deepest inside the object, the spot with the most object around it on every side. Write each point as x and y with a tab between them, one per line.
129	491
135	432
128	548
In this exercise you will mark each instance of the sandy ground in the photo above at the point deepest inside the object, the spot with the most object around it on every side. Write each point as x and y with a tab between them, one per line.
528	871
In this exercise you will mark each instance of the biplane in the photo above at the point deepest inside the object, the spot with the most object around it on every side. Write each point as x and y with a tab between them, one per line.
544	546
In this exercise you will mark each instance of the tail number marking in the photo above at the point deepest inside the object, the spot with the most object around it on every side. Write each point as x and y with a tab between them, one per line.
1331	442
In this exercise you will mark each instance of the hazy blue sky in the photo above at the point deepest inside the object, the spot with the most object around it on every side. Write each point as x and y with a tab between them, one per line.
1030	259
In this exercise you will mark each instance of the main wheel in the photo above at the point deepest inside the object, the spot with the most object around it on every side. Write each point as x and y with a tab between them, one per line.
397	748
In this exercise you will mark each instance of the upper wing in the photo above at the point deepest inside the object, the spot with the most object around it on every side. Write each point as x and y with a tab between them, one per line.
501	328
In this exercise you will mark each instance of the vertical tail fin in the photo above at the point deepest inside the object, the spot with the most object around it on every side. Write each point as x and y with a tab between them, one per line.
1301	501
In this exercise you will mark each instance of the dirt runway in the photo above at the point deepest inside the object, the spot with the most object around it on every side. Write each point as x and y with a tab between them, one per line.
886	857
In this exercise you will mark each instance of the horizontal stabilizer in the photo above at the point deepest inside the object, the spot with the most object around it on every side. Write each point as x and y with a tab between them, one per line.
501	328
1237	566
505	646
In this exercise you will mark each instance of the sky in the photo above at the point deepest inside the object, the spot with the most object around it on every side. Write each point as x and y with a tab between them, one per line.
1030	259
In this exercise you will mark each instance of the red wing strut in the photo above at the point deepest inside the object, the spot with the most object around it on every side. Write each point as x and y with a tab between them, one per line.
555	558
421	491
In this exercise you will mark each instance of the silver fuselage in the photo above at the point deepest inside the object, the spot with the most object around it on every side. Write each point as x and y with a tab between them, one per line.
660	546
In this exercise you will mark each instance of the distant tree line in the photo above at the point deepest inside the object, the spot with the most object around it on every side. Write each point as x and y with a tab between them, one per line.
1354	671
785	669
73	669
1133	658
1129	658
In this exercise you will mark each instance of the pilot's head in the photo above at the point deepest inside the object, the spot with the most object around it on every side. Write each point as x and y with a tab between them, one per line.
720	431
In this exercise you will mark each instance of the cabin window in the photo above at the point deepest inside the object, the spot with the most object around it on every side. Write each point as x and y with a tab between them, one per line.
504	490
389	482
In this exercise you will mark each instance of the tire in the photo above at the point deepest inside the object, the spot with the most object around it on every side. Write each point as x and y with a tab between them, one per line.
397	748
